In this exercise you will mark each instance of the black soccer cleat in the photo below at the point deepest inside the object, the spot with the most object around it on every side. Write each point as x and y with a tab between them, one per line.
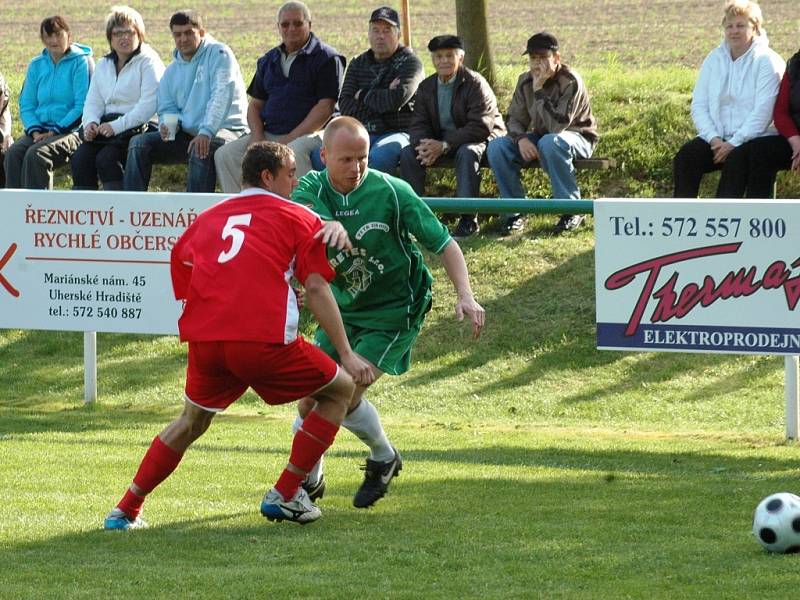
315	490
377	476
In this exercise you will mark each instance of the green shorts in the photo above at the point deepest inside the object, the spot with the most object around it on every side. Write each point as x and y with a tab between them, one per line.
390	351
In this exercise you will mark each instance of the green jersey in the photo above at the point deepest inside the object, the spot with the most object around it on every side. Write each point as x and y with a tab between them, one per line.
382	283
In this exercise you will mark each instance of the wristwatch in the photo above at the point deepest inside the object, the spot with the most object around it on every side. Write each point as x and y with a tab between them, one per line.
445	147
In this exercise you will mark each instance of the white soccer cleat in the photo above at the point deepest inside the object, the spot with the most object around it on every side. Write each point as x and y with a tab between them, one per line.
299	508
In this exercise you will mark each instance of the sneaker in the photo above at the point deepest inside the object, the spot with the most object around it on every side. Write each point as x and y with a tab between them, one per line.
299	509
513	223
117	519
315	490
377	476
569	223
466	227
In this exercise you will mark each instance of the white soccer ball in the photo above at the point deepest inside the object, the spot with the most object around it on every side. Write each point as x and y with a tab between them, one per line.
776	523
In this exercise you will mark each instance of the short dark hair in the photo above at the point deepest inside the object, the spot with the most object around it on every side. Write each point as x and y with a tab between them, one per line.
53	25
263	155
187	17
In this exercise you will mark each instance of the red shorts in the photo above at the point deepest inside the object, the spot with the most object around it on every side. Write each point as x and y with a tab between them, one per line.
220	372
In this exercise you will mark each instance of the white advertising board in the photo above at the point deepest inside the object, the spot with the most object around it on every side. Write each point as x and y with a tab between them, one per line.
699	276
91	261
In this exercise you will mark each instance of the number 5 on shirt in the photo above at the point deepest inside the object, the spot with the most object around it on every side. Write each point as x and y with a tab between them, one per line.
230	231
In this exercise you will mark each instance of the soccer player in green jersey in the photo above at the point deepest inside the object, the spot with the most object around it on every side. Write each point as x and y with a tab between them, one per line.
382	285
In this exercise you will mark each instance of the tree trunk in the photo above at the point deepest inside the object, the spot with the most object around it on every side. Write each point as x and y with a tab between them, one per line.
473	28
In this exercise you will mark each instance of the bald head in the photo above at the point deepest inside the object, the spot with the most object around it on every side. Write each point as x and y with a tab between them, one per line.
348	124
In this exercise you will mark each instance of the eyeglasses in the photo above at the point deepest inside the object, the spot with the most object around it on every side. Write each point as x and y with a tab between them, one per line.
287	24
118	33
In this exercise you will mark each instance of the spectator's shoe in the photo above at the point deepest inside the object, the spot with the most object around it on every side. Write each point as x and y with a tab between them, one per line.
315	490
569	223
377	476
117	519
299	508
513	223
466	227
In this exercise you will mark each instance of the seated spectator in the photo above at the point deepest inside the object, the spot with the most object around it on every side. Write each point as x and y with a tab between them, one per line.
5	127
455	115
120	104
732	107
782	152
50	106
204	89
292	95
549	120
379	89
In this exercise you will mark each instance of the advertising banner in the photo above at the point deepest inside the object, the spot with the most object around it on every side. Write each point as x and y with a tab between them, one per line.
91	261
698	275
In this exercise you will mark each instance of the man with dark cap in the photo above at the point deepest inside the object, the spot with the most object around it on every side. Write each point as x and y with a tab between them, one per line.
549	120
455	115
379	89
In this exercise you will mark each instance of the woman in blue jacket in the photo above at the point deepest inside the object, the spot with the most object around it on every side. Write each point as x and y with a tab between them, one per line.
50	106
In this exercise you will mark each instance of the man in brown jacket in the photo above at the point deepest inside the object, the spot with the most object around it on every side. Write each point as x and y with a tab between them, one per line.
549	120
454	118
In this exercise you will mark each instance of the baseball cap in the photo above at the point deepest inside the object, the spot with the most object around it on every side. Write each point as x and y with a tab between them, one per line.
384	13
542	41
445	41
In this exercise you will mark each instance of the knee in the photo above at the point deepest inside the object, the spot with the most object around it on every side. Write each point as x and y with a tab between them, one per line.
466	152
140	143
552	144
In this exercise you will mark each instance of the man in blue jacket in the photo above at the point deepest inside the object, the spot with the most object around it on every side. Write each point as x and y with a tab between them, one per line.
292	95
204	87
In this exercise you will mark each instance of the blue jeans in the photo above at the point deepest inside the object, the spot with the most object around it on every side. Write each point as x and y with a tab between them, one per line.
147	149
384	152
556	153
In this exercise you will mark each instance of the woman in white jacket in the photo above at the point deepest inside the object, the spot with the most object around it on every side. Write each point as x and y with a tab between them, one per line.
732	106
120	104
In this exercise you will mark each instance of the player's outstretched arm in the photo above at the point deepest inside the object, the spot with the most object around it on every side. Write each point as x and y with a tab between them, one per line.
335	235
456	268
321	303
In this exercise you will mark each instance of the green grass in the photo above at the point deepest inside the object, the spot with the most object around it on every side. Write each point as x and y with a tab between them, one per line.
535	465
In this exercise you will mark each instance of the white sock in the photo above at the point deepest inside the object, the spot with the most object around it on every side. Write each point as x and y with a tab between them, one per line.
365	423
316	471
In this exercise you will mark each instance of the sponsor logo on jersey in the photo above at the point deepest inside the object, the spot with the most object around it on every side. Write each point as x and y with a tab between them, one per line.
369	227
347	213
358	277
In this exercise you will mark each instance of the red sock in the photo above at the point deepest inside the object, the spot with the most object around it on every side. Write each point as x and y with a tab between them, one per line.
309	444
131	504
158	463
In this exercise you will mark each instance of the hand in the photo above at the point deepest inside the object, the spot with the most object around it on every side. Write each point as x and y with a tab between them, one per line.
200	145
429	151
541	75
105	130
360	370
794	142
40	136
395	83
722	151
527	149
467	305
334	234
300	296
90	131
164	131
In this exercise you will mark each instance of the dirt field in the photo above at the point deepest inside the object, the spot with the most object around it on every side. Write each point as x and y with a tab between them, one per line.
592	32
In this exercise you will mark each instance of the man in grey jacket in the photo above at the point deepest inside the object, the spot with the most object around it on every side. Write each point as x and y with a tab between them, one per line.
549	120
455	116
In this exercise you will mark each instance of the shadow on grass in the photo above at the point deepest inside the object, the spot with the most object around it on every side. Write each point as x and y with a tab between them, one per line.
445	536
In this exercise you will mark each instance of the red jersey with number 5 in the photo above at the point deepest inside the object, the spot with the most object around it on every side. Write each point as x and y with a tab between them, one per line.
232	268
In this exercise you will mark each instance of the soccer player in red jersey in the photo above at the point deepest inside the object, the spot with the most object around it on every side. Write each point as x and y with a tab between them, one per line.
232	268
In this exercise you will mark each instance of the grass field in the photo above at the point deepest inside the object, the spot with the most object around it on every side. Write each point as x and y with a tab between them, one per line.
535	465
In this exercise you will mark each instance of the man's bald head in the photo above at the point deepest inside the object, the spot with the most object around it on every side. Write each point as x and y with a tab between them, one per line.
349	124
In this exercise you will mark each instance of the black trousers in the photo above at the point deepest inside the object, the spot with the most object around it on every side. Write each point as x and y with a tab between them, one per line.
748	172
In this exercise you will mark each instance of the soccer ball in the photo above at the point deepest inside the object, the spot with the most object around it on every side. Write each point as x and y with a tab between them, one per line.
776	523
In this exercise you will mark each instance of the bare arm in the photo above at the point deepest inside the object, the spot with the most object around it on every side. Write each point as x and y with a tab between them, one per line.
320	301
456	268
315	119
254	121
